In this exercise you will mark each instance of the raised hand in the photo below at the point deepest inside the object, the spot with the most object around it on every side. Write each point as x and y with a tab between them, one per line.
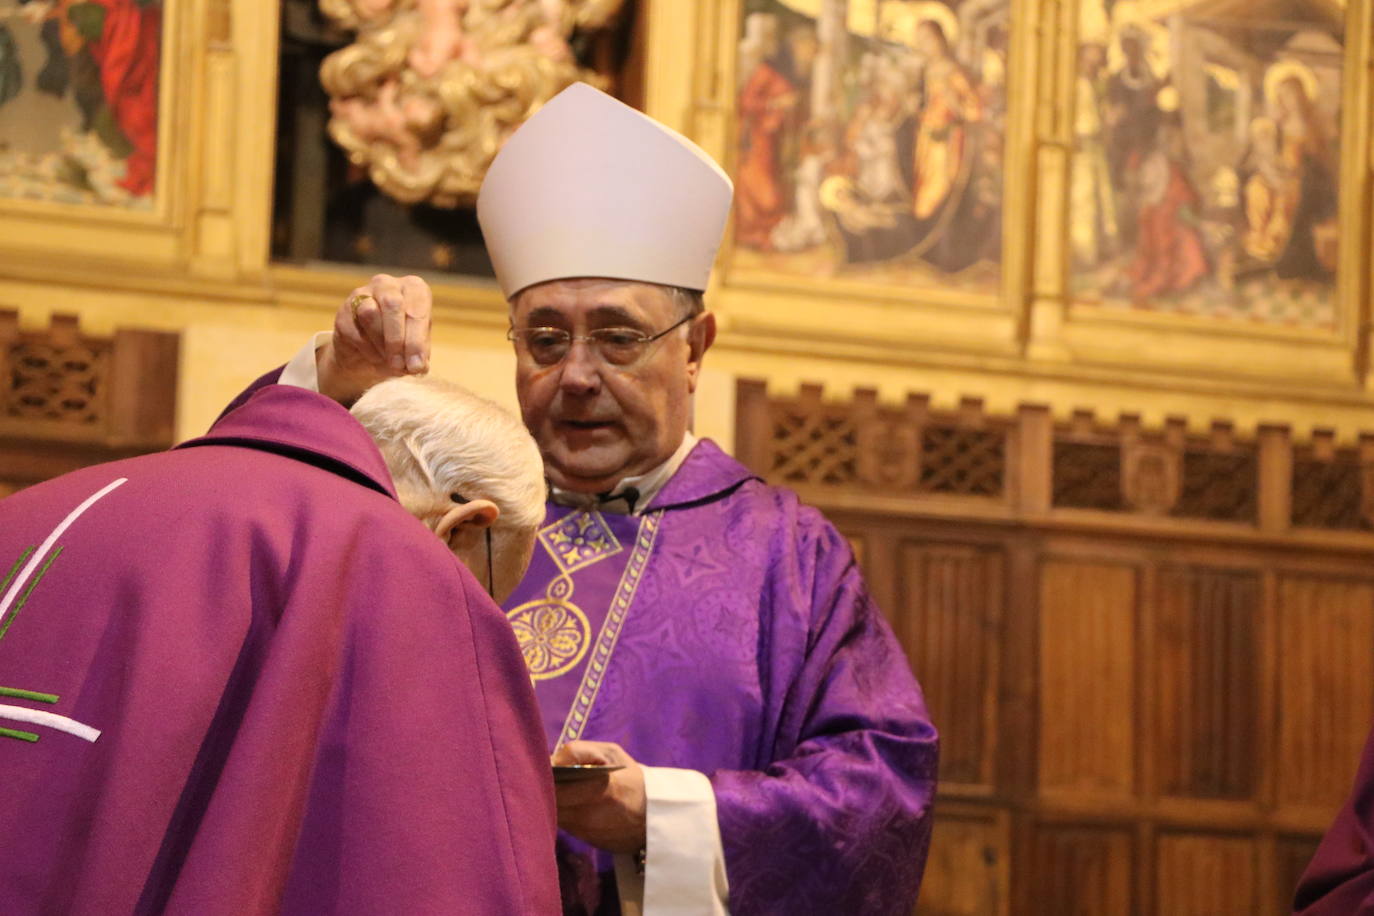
382	330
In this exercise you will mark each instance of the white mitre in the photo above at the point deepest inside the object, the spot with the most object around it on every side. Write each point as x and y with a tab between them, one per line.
590	187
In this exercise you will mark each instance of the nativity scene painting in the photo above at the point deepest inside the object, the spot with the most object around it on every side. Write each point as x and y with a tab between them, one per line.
1206	150
870	140
78	100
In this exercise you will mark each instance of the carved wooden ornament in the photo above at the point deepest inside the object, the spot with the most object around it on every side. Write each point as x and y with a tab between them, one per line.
889	454
1151	476
429	90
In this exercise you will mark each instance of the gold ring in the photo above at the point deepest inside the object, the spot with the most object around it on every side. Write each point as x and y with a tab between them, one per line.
357	300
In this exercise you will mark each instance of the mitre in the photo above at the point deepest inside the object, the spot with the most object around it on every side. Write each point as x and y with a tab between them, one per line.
590	187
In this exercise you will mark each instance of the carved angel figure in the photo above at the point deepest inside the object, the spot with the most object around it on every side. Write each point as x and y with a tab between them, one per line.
429	90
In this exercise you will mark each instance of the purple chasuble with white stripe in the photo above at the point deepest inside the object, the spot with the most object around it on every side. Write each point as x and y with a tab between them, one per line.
239	678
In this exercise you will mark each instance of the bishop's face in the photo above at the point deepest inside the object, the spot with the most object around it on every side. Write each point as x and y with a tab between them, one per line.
597	423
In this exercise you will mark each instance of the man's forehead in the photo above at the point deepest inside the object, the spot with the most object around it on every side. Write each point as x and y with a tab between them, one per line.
594	298
596	315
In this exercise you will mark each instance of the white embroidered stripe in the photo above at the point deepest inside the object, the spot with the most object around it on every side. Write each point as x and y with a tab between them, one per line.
50	719
18	586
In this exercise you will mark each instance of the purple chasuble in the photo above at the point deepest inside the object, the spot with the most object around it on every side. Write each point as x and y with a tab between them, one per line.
728	630
1339	881
238	678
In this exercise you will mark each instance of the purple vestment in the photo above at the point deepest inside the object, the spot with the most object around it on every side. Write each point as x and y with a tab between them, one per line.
304	703
1339	881
728	630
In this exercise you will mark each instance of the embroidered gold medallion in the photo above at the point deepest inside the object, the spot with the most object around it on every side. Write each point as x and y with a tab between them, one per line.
553	633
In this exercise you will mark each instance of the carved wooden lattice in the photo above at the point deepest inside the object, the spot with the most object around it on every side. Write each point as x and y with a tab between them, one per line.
1329	493
1087	476
883	449
961	461
56	379
1029	463
68	399
813	449
1220	486
1165	472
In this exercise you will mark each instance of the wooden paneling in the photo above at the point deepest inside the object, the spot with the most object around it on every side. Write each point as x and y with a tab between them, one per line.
68	400
1080	871
1293	855
967	873
1087	676
949	617
1326	676
1207	682
1137	661
1199	875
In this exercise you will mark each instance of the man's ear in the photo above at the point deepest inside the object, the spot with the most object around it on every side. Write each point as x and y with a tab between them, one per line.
461	524
703	334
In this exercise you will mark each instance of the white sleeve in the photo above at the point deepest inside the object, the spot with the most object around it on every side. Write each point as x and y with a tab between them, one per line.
684	864
301	371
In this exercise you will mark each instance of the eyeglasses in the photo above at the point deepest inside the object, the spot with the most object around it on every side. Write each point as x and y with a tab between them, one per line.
616	346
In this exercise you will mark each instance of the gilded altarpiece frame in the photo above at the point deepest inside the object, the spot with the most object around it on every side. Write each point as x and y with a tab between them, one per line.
198	217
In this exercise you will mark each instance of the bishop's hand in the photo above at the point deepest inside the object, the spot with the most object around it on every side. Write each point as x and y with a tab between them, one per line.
381	331
608	813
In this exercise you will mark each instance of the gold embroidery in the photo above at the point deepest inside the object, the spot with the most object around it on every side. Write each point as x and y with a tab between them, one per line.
553	632
579	540
610	630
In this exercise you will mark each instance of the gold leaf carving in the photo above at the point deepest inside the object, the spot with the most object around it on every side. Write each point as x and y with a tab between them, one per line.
431	88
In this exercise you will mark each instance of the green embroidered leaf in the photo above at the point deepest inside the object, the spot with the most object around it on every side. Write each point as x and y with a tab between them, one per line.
16	733
34	695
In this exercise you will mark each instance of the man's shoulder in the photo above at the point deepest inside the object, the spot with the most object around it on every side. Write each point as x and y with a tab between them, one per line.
278	487
303	425
735	489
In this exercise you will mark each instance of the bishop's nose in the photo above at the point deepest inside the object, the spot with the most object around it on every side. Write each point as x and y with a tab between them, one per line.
581	369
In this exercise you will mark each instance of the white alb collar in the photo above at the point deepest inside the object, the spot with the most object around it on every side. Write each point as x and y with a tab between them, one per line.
631	495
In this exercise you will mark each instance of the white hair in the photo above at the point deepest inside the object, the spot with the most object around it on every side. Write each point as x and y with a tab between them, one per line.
440	440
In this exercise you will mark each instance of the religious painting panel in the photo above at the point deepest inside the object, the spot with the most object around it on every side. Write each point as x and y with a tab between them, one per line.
869	141
79	95
1205	176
